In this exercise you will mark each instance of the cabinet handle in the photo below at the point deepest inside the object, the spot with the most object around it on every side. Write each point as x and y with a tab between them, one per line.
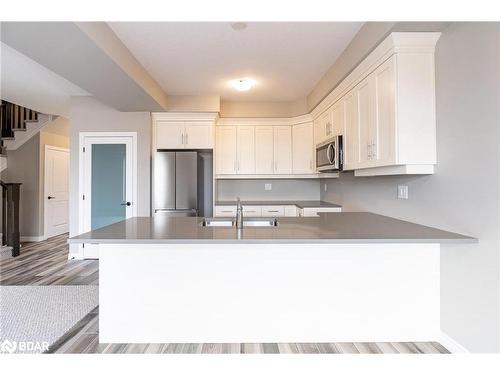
182	138
374	150
272	211
186	135
369	146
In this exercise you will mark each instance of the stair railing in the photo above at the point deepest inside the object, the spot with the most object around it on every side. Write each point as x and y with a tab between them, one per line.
11	235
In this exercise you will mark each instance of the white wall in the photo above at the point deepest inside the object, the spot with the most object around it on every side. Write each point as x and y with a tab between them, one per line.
90	115
463	194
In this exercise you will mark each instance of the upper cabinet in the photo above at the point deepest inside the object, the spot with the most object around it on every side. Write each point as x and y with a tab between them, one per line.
264	150
265	147
174	131
385	109
303	148
282	150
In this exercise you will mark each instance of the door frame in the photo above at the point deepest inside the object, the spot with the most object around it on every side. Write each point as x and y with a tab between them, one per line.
45	201
83	182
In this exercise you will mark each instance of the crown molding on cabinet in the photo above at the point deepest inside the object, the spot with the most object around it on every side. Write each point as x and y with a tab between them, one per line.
263	121
395	43
185	116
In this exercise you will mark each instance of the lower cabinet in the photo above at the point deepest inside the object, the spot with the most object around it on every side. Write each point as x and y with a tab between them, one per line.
273	211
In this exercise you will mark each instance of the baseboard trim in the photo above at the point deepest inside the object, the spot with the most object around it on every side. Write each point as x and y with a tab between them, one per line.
32	238
452	345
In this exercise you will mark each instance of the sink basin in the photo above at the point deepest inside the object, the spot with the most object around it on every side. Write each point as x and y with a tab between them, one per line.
224	222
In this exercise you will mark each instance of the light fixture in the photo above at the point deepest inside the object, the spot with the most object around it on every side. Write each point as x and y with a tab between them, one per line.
242	84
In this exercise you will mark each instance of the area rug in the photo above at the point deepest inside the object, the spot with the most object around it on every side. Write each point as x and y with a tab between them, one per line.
34	317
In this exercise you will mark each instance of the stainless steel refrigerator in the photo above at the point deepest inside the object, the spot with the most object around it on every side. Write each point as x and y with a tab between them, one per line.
179	183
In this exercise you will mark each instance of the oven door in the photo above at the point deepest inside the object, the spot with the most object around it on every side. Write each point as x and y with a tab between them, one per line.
326	157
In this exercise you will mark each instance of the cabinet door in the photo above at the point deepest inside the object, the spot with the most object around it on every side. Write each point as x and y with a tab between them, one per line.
337	118
365	96
302	148
252	211
351	139
282	150
264	150
273	211
225	150
384	146
324	127
169	135
198	135
245	150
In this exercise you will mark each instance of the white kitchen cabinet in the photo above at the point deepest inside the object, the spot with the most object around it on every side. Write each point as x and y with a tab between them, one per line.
226	157
282	150
175	135
376	109
389	108
290	211
337	119
350	135
323	127
303	148
273	211
198	135
252	211
225	211
314	211
245	150
264	150
169	134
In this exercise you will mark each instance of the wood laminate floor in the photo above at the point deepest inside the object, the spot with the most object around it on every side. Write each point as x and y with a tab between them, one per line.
46	263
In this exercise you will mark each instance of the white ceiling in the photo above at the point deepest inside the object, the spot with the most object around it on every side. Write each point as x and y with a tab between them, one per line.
286	59
27	83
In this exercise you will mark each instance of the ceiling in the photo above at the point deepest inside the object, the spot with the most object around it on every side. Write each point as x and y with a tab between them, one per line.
286	59
27	83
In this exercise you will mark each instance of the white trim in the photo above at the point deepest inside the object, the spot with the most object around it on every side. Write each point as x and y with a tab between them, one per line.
395	170
264	121
33	238
452	345
274	176
83	137
45	202
185	116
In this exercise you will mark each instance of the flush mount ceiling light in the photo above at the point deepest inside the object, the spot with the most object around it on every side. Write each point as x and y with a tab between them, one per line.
242	84
239	26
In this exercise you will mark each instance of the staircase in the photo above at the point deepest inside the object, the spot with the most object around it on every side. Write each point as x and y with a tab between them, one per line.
17	125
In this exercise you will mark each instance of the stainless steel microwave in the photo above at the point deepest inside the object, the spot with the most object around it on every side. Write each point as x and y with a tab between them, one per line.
329	155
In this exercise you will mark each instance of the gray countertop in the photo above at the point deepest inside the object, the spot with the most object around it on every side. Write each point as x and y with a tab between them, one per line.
345	227
300	204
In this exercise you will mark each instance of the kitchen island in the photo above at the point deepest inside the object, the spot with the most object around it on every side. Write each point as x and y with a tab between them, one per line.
338	277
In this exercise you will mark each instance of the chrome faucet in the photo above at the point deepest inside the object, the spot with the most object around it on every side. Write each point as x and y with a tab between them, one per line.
239	215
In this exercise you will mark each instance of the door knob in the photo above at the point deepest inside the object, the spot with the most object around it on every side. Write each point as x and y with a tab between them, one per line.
126	204
49	197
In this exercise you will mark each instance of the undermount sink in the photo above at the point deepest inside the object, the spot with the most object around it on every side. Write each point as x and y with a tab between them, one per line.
253	222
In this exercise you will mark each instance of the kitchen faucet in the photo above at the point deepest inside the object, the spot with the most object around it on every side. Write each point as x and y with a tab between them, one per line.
239	215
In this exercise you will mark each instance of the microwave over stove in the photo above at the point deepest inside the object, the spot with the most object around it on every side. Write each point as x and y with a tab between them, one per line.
329	155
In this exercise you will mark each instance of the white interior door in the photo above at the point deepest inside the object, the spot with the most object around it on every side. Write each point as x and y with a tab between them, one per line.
109	180
56	191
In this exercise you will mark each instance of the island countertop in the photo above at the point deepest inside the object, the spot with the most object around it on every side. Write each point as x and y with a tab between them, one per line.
342	227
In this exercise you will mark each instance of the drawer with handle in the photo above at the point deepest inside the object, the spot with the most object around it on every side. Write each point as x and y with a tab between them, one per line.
225	211
273	211
252	211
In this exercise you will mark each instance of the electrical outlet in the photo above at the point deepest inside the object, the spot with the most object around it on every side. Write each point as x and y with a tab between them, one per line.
268	186
325	186
402	192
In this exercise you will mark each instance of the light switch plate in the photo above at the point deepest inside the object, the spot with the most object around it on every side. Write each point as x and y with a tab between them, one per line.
268	186
402	192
